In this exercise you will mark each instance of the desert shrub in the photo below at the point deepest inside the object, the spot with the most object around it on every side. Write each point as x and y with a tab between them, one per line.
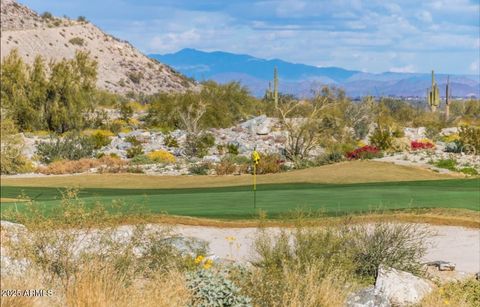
232	148
140	160
170	141
450	164
331	258
225	167
470	136
469	171
117	126
68	167
433	129
12	161
381	138
134	151
47	15
198	146
214	289
454	147
270	164
133	140
400	246
77	41
126	111
81	19
422	144
464	293
57	242
400	145
329	158
161	156
100	138
135	76
450	138
363	153
199	169
70	147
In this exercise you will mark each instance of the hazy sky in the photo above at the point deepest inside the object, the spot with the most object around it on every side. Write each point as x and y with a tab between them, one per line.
373	36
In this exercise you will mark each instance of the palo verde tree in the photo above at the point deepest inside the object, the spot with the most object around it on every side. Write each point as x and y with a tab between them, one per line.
56	98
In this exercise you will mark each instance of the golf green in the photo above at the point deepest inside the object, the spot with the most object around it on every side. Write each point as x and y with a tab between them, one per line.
275	199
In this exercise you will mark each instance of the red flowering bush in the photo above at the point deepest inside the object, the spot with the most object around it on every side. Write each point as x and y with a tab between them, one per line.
365	152
421	144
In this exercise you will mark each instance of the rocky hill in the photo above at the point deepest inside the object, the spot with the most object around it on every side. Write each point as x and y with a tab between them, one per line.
121	67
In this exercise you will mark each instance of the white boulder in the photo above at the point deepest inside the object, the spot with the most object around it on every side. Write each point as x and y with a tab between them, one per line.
401	288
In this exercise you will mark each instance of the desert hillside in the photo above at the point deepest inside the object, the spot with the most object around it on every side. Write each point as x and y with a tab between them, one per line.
121	67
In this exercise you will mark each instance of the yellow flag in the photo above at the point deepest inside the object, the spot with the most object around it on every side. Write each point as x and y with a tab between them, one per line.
255	157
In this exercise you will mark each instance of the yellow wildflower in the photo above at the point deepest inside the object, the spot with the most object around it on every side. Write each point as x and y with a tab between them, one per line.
230	238
199	259
208	264
447	302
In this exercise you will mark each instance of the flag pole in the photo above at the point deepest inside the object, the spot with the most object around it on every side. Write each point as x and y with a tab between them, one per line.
254	186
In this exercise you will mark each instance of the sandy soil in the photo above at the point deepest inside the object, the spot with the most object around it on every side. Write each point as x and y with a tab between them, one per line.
454	244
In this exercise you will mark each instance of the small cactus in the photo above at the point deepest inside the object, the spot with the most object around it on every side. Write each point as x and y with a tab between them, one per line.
275	86
433	95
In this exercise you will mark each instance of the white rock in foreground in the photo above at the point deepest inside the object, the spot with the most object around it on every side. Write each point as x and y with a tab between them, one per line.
401	288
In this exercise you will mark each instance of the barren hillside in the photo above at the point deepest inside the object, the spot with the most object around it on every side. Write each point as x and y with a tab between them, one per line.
121	67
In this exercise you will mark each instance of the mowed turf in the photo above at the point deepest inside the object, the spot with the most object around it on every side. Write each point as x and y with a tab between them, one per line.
275	199
345	172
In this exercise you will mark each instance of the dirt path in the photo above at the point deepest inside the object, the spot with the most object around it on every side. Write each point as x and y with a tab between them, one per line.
454	244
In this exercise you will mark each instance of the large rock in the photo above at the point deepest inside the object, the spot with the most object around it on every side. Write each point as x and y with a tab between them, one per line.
401	288
368	297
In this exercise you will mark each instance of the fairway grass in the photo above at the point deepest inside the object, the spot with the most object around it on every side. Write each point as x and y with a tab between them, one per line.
276	200
340	173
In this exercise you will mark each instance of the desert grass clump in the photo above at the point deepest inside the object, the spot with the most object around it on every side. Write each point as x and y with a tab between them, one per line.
465	293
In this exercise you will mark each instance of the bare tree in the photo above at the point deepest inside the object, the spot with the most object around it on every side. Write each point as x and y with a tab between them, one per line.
302	122
190	115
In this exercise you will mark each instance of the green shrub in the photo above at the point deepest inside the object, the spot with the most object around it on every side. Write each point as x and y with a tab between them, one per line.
329	158
170	141
232	149
70	147
198	146
381	138
135	76
133	140
47	15
199	169
469	171
140	159
214	289
134	151
77	41
450	164
100	139
470	136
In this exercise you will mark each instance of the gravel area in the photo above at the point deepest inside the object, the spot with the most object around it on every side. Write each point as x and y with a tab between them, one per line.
453	244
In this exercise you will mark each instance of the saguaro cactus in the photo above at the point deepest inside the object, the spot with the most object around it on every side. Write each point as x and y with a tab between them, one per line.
447	99
433	95
275	86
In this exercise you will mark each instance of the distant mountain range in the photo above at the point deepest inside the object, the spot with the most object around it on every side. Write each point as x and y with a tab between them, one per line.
300	79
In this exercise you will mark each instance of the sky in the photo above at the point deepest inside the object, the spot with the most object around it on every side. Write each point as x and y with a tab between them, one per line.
370	36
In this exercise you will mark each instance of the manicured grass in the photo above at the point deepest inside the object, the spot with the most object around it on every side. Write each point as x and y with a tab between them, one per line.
275	199
345	172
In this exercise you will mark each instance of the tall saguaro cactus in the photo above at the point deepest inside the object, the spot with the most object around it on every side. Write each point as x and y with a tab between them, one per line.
275	86
447	99
433	95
